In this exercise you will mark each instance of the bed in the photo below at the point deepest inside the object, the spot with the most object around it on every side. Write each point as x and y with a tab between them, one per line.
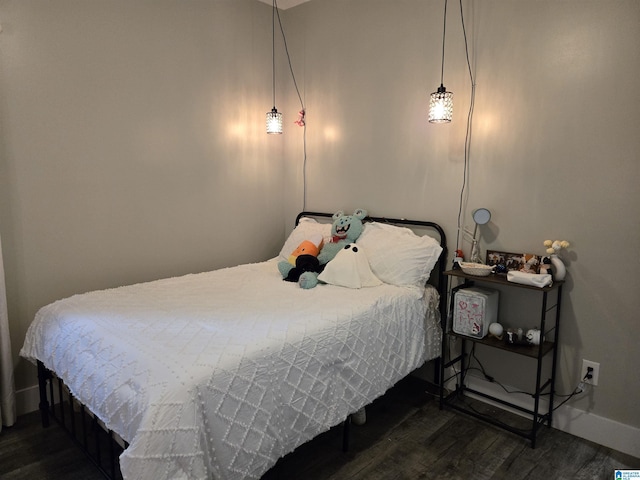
219	374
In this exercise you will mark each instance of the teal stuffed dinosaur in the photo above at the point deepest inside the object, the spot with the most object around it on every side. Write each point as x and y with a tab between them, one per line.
344	230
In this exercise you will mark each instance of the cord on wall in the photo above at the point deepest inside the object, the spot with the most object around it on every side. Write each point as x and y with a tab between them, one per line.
467	139
301	119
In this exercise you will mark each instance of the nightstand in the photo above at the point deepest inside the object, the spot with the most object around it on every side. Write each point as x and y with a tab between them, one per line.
549	324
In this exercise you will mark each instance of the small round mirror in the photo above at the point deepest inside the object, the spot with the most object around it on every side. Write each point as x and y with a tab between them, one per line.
481	216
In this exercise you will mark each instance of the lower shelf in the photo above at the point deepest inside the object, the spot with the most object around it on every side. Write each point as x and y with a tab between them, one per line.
532	351
519	425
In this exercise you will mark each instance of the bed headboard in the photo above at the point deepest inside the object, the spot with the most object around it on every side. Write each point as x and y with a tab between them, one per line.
437	278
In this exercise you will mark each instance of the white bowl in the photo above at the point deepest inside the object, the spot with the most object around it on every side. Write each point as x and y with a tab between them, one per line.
477	269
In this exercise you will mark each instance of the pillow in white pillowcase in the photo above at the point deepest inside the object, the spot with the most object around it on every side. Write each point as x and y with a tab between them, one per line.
306	228
397	255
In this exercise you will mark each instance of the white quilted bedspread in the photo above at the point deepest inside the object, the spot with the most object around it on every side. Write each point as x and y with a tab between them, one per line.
219	374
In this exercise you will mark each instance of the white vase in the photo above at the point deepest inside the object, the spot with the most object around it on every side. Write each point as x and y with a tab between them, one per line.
559	270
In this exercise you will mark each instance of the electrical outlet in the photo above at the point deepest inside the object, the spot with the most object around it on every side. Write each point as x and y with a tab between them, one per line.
586	364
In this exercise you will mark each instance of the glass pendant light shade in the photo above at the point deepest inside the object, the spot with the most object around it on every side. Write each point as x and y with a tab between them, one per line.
274	118
274	121
441	106
441	102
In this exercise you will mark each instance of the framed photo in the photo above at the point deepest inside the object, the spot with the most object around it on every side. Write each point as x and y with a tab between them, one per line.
523	262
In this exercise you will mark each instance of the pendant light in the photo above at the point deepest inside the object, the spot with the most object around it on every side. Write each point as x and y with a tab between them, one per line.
441	101
274	118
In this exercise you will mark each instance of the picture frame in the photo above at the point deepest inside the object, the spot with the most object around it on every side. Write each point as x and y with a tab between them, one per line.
522	262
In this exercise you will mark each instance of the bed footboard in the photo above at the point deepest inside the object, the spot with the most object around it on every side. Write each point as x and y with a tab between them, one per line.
101	446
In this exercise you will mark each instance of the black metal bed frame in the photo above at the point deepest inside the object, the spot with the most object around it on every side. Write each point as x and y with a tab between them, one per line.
103	447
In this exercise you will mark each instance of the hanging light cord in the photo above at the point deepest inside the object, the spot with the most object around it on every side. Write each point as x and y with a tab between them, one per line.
304	167
286	49
273	50
301	122
467	139
444	32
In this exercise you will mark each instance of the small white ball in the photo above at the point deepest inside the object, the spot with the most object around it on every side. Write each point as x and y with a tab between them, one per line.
496	329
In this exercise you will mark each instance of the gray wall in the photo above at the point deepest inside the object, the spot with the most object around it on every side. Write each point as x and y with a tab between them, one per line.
117	166
132	145
554	147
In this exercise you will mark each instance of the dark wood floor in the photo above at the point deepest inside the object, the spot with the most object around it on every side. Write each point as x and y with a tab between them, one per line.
406	437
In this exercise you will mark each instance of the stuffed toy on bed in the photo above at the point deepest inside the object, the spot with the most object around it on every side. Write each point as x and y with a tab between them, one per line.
345	230
303	259
350	268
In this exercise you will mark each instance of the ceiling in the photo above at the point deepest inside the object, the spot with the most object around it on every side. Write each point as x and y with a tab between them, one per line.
284	4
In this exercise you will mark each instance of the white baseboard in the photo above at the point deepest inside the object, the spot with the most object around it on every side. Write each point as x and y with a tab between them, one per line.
601	430
27	400
597	429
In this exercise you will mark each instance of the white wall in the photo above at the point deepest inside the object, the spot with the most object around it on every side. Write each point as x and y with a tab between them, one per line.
554	149
132	145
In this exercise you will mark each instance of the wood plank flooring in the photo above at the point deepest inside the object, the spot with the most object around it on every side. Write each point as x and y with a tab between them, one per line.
406	437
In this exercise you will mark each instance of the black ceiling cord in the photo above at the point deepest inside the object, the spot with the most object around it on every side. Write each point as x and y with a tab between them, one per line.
301	121
467	139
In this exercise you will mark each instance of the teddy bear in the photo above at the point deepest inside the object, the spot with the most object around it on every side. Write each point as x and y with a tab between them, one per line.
345	229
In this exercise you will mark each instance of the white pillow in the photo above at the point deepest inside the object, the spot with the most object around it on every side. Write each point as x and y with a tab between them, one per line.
397	255
303	231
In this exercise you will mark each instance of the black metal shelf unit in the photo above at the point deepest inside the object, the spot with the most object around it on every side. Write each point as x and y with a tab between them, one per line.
551	297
